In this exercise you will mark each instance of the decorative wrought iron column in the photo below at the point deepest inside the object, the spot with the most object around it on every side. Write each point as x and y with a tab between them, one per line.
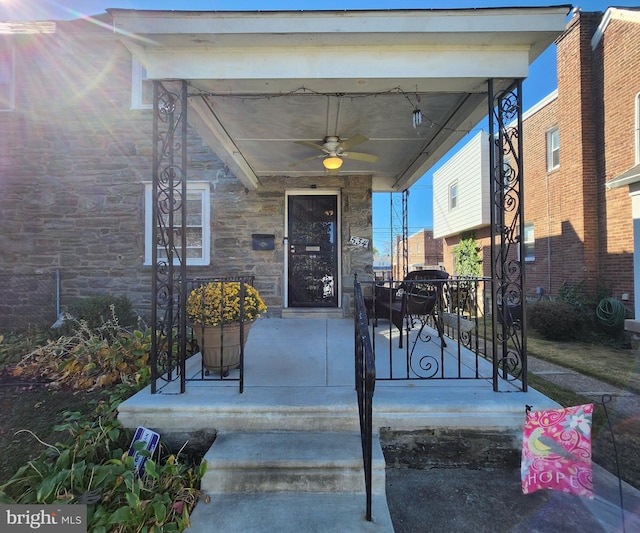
507	229
405	233
169	237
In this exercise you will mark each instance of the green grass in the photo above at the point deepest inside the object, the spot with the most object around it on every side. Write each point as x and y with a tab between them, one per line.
615	366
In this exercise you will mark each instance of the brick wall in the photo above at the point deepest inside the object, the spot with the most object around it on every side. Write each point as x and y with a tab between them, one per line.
423	252
584	232
617	84
540	187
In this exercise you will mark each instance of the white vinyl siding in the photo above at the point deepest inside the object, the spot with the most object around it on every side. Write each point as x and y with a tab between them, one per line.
198	224
469	168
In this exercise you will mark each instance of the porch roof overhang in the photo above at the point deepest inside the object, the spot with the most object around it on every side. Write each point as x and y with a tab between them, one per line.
260	81
629	177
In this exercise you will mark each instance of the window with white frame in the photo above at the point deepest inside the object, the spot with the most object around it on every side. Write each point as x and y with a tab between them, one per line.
453	195
553	148
141	87
198	224
529	242
638	129
7	79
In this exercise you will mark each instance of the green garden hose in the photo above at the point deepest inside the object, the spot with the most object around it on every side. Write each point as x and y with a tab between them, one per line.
611	313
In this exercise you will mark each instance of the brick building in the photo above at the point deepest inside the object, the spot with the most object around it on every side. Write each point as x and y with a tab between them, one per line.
576	142
423	252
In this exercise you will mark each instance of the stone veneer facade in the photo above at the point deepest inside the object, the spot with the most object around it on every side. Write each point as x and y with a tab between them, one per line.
74	158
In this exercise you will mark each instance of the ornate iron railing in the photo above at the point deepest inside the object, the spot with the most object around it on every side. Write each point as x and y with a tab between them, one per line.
428	315
365	386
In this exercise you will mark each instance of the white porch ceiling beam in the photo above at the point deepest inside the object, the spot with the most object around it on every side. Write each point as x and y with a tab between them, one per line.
365	63
412	24
214	135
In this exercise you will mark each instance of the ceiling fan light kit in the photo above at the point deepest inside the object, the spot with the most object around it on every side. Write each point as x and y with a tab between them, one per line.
336	149
332	163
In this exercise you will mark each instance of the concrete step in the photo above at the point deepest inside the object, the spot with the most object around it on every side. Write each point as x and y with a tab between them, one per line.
287	512
312	312
243	462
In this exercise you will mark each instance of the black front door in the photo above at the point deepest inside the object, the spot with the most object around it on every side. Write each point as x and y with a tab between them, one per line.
313	251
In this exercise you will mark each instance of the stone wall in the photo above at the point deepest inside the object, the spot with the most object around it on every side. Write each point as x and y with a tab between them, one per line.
73	161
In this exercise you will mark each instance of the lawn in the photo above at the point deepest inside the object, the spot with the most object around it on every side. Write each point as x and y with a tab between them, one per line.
612	365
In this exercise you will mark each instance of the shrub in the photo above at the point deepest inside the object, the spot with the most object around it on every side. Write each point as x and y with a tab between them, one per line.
14	346
98	310
87	361
557	320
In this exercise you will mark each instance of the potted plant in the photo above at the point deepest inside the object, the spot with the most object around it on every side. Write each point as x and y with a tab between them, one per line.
215	311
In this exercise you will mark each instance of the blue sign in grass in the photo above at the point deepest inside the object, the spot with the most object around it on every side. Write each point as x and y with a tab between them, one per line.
149	442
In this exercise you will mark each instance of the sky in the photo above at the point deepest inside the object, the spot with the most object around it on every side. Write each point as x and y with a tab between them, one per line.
386	208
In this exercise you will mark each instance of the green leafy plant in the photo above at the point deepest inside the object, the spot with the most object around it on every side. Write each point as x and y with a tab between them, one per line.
94	467
468	259
573	295
96	311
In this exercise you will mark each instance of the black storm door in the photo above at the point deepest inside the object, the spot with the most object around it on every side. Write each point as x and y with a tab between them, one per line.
313	251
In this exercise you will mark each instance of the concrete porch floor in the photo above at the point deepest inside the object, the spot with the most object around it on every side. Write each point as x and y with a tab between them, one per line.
300	372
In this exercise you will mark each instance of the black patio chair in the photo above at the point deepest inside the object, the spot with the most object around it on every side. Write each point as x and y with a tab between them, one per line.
423	291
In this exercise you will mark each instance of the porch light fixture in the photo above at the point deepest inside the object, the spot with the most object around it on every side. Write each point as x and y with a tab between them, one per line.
332	162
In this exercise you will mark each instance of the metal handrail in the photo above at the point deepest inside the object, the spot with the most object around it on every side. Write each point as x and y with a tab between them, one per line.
365	371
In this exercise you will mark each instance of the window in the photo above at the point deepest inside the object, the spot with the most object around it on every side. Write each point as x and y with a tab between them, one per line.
638	129
198	227
7	79
141	87
553	149
453	195
529	242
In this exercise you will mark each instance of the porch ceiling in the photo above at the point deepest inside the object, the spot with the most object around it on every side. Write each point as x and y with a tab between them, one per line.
259	82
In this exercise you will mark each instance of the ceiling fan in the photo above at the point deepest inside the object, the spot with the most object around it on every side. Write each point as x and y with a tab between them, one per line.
335	149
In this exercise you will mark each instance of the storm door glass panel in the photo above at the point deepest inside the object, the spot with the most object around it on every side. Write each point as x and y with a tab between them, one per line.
313	253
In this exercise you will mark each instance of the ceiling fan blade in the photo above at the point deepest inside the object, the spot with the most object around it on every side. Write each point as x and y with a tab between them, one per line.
359	156
291	165
311	145
352	141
